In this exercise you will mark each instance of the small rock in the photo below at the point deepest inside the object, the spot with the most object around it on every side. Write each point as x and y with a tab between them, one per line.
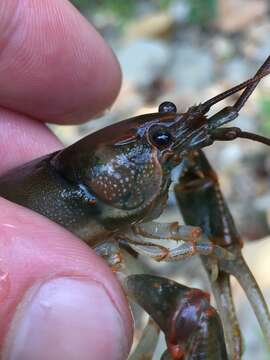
262	203
192	68
151	26
231	154
128	102
247	123
143	61
257	52
236	15
251	222
259	33
257	42
179	11
222	47
237	70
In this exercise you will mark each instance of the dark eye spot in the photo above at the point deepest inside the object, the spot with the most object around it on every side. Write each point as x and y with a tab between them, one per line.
166	107
161	138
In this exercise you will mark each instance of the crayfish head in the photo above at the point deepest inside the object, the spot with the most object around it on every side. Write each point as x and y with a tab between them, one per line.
128	165
122	164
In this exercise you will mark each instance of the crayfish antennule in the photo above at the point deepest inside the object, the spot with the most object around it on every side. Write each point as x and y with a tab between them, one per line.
216	99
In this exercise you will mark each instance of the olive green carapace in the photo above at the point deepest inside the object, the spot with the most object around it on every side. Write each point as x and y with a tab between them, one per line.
93	188
38	186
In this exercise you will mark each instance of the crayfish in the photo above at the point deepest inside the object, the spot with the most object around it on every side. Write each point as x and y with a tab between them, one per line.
108	189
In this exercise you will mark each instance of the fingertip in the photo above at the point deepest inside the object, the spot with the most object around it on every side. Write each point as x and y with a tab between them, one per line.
54	66
76	314
23	139
71	286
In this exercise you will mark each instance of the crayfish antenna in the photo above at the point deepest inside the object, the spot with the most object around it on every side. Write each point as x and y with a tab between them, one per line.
232	133
249	90
230	113
249	86
254	137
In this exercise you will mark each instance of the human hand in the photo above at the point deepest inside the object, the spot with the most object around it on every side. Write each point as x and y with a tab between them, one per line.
58	300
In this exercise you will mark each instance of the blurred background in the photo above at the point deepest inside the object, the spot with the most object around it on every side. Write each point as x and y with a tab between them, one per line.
187	51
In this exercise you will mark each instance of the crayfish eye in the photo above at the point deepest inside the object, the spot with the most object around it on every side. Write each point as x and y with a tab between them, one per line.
166	107
161	138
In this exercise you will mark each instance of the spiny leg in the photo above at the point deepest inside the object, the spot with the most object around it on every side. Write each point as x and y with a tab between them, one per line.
222	291
161	253
191	325
182	251
190	242
111	253
202	204
197	202
171	231
240	270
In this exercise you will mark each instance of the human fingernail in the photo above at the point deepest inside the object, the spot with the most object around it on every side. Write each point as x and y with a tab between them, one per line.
66	318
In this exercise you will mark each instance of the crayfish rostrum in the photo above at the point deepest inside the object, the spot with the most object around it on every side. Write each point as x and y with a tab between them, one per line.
110	186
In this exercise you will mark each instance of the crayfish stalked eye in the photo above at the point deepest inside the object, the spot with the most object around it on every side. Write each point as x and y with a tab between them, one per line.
167	107
160	137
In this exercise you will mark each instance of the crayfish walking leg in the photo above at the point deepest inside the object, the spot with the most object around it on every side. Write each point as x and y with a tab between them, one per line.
202	204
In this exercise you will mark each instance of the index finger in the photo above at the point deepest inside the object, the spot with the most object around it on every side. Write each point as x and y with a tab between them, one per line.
54	66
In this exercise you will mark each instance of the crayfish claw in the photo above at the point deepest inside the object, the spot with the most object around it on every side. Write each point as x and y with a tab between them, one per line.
192	327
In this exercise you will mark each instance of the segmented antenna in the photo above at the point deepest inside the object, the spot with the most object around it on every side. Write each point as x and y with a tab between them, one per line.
244	85
249	86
